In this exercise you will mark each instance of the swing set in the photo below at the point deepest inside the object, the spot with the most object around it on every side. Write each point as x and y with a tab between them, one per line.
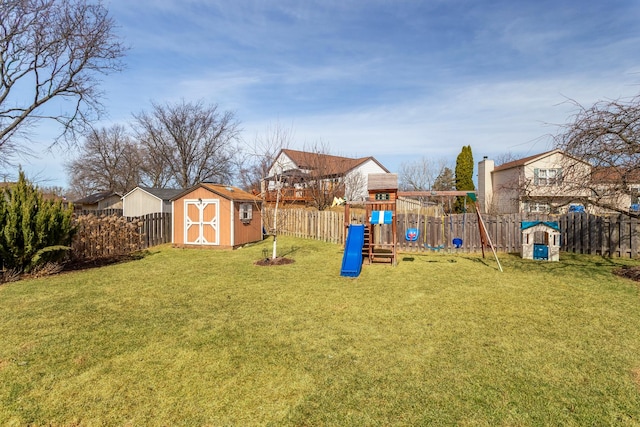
457	242
413	233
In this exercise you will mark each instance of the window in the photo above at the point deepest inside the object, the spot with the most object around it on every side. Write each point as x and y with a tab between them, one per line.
538	207
246	212
546	177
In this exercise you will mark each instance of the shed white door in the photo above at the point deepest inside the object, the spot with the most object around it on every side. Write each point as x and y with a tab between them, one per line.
201	225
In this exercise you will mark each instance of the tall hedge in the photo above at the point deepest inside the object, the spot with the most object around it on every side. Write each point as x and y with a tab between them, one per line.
33	230
464	175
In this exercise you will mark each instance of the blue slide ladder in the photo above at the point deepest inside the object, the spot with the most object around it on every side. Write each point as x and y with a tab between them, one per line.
352	258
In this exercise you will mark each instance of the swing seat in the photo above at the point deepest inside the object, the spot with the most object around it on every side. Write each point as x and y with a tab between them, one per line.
457	242
412	234
434	248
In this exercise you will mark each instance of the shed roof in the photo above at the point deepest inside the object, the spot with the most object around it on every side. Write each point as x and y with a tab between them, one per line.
227	191
165	194
96	197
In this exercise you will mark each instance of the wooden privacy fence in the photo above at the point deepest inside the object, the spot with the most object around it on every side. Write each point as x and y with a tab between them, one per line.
155	229
617	235
327	226
106	236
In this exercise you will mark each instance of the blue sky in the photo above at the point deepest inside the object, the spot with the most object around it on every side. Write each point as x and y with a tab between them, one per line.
397	80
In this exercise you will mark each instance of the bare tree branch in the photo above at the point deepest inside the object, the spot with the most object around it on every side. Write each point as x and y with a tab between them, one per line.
52	50
421	174
196	142
266	149
606	137
109	160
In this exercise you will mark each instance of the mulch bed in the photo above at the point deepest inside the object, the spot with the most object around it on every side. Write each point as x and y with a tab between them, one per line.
632	273
85	264
69	266
268	262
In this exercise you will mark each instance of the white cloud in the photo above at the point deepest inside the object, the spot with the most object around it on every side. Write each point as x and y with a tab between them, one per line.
494	118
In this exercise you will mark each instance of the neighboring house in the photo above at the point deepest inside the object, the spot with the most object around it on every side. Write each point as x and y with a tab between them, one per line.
146	200
554	182
99	201
215	216
531	184
298	171
617	187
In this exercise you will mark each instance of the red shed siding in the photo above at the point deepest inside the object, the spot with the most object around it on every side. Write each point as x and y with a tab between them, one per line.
231	232
251	231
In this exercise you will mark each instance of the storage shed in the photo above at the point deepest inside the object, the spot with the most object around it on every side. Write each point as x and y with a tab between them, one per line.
146	200
99	201
540	240
216	216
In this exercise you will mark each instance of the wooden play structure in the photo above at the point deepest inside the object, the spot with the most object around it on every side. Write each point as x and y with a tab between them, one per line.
381	231
380	228
540	240
379	243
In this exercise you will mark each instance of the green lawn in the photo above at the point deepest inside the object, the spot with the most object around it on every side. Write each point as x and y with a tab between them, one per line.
197	337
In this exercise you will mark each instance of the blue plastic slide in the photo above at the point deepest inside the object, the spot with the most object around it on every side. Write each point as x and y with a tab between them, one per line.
352	258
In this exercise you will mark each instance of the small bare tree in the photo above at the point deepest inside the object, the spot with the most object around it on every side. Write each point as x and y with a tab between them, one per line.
355	186
262	161
255	164
52	50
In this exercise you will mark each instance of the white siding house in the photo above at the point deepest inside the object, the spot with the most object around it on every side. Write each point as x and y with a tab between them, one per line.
542	183
299	167
145	200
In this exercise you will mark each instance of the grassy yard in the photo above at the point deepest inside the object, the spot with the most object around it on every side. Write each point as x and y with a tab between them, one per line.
197	337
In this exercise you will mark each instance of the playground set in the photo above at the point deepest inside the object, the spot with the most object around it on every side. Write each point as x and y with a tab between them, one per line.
376	240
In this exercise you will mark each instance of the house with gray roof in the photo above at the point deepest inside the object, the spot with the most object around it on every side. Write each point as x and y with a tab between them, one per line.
99	201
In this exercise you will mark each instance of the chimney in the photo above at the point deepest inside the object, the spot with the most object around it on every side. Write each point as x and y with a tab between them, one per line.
485	184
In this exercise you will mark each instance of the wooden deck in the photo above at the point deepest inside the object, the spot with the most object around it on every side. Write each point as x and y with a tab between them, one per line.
295	195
